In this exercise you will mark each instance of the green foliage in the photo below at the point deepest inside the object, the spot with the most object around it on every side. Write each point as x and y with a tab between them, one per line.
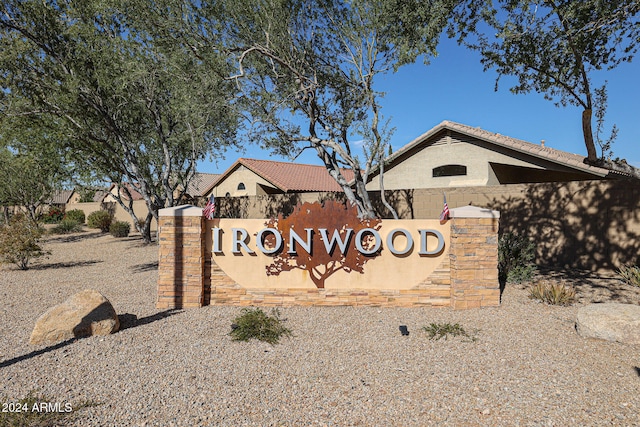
255	323
515	258
630	274
119	229
440	330
122	84
100	219
19	241
76	215
53	216
27	412
553	48
553	293
67	226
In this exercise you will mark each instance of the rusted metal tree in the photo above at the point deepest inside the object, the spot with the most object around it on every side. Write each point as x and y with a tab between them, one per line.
328	251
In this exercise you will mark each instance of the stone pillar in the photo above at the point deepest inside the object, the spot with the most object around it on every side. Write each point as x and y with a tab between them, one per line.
182	257
473	253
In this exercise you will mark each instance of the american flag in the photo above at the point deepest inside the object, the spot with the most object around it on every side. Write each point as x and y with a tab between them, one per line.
210	208
445	210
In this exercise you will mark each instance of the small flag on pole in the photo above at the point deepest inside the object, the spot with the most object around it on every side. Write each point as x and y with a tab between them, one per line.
445	210
210	208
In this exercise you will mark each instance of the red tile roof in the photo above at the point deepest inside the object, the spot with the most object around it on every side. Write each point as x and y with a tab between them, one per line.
200	183
290	177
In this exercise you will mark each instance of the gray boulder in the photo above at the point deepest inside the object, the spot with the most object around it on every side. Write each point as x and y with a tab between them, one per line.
84	314
610	321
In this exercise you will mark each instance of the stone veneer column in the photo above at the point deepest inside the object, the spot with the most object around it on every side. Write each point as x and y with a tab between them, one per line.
473	252
181	260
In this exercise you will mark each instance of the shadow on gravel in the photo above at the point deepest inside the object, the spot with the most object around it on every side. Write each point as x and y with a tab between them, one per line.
129	320
75	237
35	353
593	287
143	268
637	370
64	265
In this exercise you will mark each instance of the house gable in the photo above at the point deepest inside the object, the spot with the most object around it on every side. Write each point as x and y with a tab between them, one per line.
452	154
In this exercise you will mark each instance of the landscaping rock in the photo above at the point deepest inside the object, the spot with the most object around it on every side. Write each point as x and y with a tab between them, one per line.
84	314
610	321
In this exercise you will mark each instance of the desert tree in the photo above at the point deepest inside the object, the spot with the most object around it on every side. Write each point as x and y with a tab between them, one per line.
141	110
554	47
307	72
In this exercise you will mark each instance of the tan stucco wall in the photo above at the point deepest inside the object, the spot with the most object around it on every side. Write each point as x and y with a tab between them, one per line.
416	171
240	175
119	214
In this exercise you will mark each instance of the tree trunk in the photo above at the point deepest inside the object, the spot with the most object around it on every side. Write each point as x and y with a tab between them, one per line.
592	155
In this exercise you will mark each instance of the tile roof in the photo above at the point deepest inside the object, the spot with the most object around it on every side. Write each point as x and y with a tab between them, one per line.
574	161
200	183
134	193
290	177
60	197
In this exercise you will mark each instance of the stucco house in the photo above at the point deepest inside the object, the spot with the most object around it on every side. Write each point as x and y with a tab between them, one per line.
456	155
252	177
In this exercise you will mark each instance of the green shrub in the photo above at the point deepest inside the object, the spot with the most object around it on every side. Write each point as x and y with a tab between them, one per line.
630	274
439	330
100	219
515	258
66	226
53	216
19	241
255	323
75	215
120	229
553	293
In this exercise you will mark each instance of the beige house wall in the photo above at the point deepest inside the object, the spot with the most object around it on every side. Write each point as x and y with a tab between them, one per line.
242	174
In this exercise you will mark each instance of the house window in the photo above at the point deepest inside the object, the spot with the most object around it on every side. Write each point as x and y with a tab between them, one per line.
241	186
449	170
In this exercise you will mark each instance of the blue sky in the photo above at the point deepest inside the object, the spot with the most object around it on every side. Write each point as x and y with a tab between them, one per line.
454	87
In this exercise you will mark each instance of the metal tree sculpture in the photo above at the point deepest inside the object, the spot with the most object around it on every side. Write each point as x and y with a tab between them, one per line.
329	249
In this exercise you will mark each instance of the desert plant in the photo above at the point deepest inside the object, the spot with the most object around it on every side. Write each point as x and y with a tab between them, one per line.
76	215
66	226
439	330
255	323
515	258
28	411
120	229
19	241
630	274
100	219
553	293
53	216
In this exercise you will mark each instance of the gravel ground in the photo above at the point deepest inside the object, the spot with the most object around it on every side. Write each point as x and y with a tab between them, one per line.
343	366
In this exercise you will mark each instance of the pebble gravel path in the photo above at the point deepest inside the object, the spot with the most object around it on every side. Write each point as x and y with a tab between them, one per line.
344	366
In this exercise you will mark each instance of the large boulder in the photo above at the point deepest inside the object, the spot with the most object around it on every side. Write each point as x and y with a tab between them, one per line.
610	321
84	314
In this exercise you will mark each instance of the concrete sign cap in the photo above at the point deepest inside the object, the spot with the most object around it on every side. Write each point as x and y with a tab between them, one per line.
183	210
473	212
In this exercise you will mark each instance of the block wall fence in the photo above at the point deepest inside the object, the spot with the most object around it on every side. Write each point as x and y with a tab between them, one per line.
466	278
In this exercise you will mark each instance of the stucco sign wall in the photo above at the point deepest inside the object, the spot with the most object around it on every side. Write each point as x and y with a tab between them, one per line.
324	255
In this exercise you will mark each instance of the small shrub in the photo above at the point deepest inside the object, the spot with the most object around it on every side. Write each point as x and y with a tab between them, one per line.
100	219
120	229
19	241
515	258
76	215
630	274
553	293
26	412
66	226
53	216
255	323
439	330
